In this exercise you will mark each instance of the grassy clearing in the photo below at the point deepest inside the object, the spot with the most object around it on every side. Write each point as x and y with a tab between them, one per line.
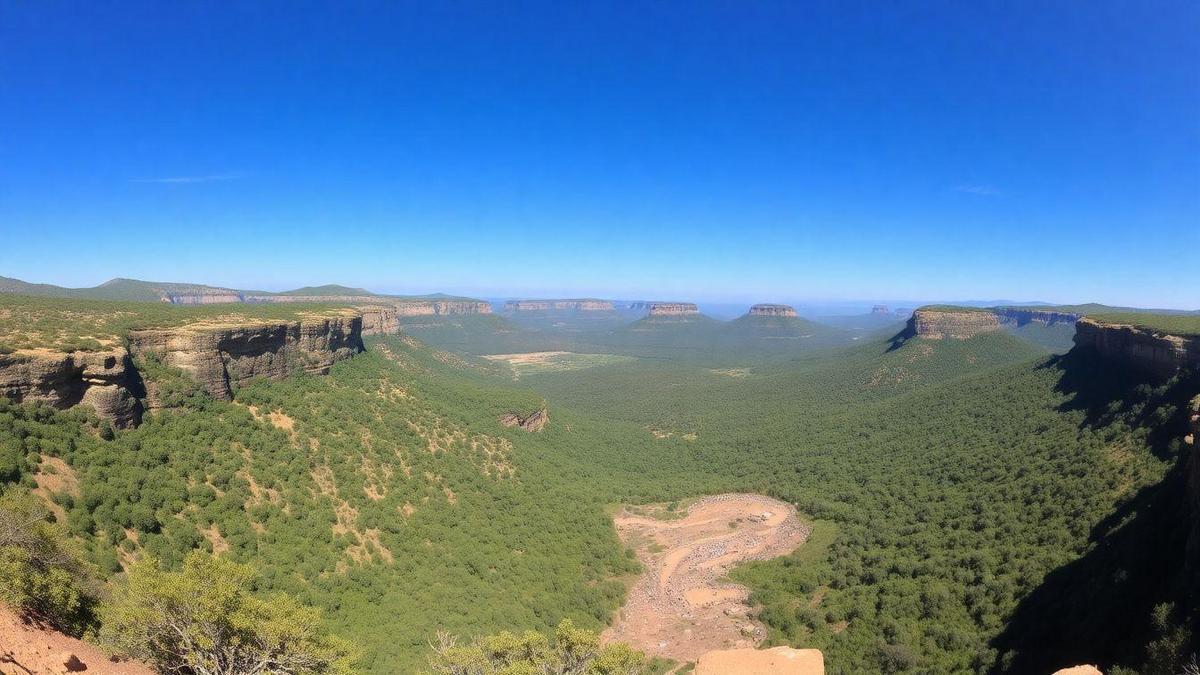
1171	324
557	361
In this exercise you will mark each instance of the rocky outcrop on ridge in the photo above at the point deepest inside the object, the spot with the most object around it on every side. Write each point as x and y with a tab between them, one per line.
1019	316
584	305
104	380
673	309
222	357
951	323
1152	352
531	423
772	310
439	307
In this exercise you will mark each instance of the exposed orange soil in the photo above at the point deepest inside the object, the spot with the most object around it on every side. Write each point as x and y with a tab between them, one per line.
682	606
775	661
26	650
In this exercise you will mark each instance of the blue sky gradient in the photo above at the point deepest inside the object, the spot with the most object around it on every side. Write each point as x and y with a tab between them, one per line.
719	151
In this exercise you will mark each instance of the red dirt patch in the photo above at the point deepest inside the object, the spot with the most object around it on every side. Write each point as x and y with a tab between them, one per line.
27	649
681	607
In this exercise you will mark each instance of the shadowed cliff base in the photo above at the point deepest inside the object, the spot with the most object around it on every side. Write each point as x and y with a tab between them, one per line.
1099	608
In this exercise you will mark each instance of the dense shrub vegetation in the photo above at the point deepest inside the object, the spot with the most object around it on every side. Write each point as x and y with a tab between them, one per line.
947	479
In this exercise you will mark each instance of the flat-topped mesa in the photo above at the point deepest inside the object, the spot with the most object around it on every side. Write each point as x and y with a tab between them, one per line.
221	357
1020	316
1156	353
952	322
766	309
416	307
581	305
103	380
208	296
881	309
673	309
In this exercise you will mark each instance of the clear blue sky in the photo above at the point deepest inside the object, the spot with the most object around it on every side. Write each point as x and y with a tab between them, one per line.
693	150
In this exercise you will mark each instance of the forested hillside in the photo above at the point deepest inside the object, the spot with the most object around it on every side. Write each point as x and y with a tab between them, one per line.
946	479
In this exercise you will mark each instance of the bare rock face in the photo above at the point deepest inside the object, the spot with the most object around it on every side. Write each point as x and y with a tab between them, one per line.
202	297
881	309
223	357
441	307
750	661
772	310
1156	353
1079	670
380	321
585	305
531	423
1016	316
673	309
938	324
100	379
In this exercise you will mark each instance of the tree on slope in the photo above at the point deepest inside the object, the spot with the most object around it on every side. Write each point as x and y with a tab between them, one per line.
571	651
206	620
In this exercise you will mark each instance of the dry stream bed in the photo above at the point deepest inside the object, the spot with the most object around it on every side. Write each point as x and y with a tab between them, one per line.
682	605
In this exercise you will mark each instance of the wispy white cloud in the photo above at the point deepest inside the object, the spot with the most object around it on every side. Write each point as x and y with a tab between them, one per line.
978	189
210	178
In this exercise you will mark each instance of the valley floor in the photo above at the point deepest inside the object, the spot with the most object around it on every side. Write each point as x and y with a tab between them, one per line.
682	605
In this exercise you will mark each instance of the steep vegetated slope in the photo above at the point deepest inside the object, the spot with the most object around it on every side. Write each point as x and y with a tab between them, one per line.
947	477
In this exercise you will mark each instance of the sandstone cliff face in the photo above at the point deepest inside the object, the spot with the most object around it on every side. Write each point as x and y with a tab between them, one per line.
441	307
673	308
380	321
938	324
102	380
1020	317
1155	353
223	357
558	305
1193	487
772	310
202	298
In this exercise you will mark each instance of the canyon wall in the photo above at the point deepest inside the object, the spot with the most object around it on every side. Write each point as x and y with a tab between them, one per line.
673	309
586	305
223	357
1019	316
402	306
103	380
955	324
772	310
1156	353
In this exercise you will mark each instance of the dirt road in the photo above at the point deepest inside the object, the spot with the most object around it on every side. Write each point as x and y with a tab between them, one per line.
680	608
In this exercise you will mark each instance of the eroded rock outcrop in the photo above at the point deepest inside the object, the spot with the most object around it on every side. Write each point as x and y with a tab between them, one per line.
766	309
881	309
532	422
1158	354
221	357
380	321
584	305
103	380
952	323
1019	316
441	307
673	309
774	661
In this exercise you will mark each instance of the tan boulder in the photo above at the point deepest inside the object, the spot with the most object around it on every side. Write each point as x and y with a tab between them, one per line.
1079	670
774	661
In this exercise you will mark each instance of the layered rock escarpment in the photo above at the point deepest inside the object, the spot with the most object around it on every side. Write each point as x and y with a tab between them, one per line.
1156	353
955	324
772	310
104	380
222	357
202	297
532	422
440	307
380	321
585	305
1018	316
672	309
881	309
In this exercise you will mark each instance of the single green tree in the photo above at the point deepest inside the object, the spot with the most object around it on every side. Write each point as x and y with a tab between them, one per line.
205	619
41	574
